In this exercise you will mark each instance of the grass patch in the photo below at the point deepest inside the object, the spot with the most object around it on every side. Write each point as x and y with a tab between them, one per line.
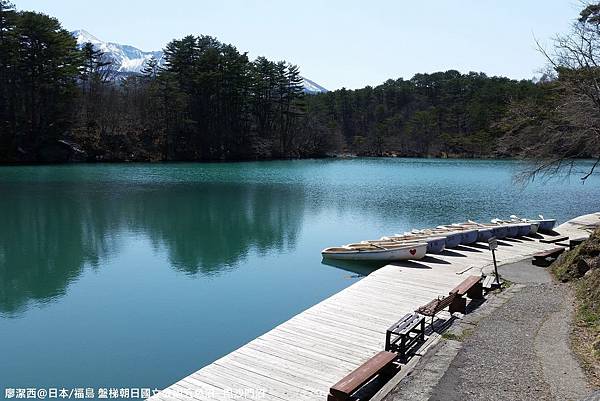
461	336
451	336
586	333
563	269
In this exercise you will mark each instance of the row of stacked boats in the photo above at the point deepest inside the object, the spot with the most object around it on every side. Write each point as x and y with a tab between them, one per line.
416	243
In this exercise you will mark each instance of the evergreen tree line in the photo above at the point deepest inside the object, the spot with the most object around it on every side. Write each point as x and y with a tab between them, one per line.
438	114
39	63
208	101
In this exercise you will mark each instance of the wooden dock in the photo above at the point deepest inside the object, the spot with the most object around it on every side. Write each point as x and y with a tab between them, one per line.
301	358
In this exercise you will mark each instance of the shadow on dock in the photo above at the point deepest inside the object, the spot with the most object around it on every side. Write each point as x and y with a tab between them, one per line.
413	264
432	259
448	252
467	248
361	269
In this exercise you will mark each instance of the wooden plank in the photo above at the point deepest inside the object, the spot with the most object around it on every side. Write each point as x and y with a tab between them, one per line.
288	365
304	356
266	369
310	342
213	388
329	337
271	386
335	352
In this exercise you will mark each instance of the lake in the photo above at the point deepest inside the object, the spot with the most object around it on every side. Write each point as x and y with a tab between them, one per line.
135	275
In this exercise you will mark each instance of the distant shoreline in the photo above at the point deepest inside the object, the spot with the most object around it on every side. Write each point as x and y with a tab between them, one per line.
329	157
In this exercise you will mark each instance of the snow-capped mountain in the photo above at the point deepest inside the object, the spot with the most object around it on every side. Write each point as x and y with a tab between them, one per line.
124	58
313	87
128	59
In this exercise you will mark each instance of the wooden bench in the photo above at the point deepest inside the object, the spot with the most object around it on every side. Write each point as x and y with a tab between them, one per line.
380	364
553	240
545	258
435	306
403	334
472	288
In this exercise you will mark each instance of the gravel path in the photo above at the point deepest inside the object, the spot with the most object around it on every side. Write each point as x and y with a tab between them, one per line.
517	350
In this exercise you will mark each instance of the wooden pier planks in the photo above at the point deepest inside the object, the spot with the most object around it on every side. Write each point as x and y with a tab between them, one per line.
301	358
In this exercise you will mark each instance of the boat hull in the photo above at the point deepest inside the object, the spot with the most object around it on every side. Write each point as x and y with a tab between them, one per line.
512	231
524	229
484	234
534	228
436	244
546	225
469	236
500	232
453	239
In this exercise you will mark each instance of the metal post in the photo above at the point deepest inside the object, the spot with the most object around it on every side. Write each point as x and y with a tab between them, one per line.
493	244
496	267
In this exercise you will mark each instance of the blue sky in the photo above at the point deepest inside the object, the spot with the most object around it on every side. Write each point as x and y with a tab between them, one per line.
350	43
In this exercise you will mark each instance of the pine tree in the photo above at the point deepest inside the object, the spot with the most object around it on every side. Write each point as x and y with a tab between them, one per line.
48	67
8	61
95	68
151	68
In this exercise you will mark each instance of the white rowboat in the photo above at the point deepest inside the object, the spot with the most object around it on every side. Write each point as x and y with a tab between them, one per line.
368	251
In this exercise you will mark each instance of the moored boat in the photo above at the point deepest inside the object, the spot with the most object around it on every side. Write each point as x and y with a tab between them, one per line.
497	231
533	225
516	228
546	225
542	225
453	238
468	234
369	251
434	244
512	229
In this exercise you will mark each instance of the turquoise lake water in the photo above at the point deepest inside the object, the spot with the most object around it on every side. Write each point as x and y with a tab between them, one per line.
137	275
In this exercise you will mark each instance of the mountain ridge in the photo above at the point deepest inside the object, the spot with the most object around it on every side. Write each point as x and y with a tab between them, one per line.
130	60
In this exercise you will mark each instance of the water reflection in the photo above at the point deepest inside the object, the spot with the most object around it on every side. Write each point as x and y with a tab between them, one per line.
359	269
48	235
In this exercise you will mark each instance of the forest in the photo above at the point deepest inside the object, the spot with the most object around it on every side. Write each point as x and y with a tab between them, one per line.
209	102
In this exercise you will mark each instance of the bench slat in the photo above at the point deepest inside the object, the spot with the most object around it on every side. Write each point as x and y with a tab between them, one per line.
407	328
436	305
361	375
409	321
466	285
